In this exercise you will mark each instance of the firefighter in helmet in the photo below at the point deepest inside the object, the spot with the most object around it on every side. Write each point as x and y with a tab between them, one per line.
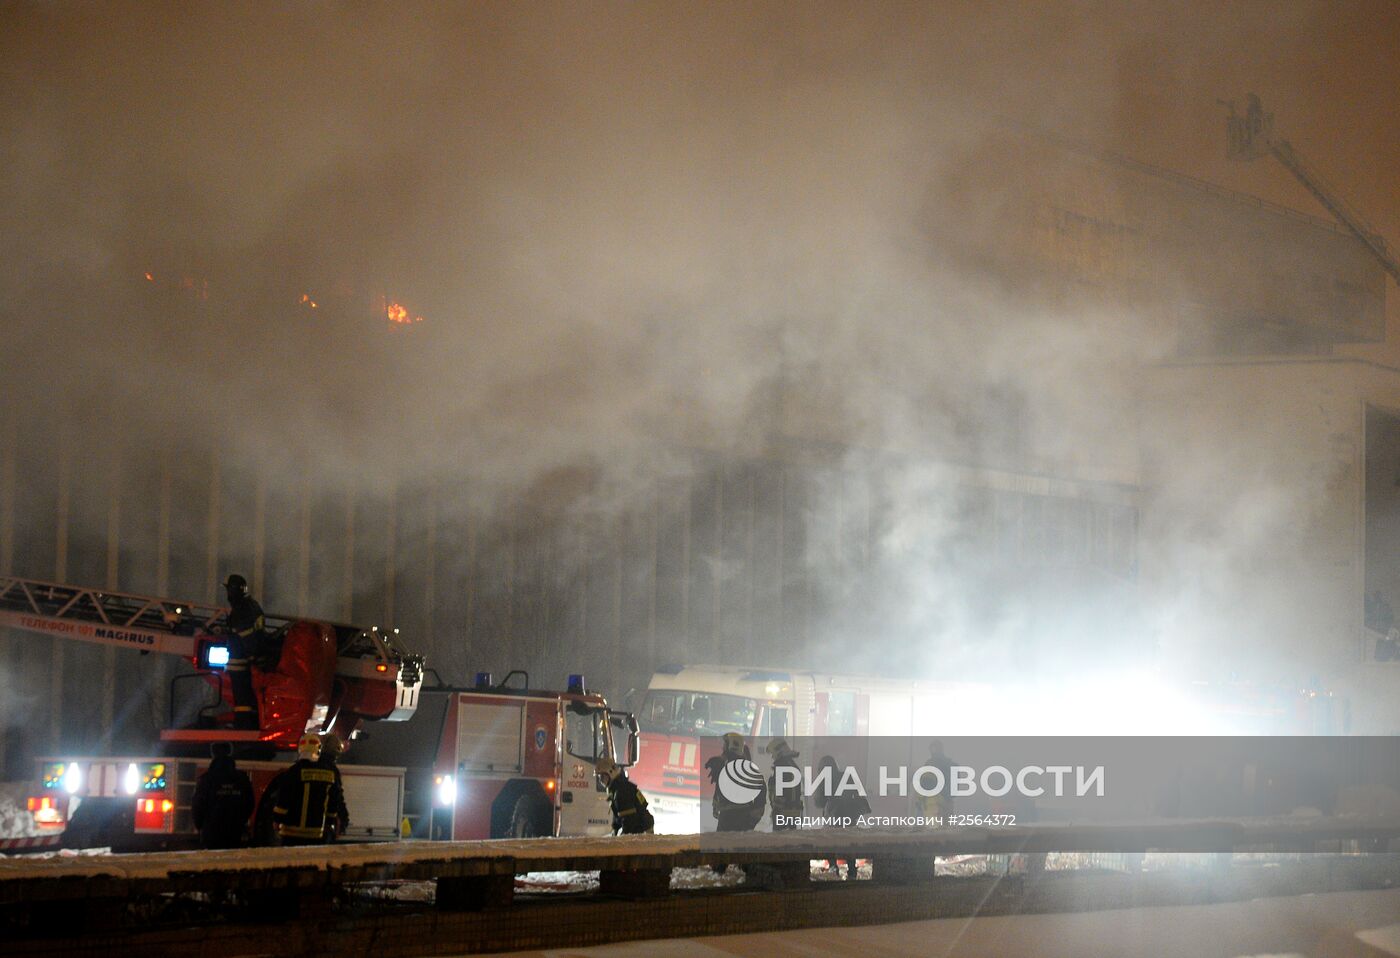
245	628
306	794
785	802
731	816
630	815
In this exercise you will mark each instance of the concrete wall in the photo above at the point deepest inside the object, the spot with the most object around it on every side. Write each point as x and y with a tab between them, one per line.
1252	547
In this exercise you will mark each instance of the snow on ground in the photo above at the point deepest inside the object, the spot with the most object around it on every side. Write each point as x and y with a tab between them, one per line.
578	882
15	820
573	883
60	853
1337	925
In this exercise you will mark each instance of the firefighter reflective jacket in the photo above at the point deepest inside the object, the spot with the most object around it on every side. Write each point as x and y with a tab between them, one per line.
629	807
305	794
245	622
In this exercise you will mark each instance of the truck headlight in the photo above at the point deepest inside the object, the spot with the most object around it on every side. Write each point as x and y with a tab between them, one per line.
131	781
446	790
73	778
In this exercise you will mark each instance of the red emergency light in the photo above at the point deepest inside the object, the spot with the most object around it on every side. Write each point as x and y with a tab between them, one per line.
46	811
153	814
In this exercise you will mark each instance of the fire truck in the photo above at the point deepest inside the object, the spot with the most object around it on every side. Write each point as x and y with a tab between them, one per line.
500	760
482	762
308	675
685	708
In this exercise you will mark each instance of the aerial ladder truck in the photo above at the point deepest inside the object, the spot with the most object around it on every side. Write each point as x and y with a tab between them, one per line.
1250	135
487	761
308	675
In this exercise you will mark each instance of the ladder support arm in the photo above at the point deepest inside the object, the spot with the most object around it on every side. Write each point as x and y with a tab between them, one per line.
1285	154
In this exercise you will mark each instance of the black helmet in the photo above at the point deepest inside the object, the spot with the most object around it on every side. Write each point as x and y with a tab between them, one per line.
236	583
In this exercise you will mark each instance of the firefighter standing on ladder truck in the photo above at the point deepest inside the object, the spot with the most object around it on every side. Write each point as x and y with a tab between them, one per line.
245	628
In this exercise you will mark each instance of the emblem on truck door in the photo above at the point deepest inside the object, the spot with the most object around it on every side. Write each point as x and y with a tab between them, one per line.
541	736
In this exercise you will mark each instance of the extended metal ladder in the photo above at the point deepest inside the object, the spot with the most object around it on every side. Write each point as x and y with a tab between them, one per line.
145	623
174	627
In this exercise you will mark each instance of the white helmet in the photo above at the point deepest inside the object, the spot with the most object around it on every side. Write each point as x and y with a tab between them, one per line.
606	768
309	747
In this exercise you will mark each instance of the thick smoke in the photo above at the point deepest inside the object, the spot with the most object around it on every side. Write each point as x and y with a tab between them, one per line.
639	235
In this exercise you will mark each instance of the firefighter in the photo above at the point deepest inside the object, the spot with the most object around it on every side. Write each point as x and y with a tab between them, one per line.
731	816
630	815
305	795
223	800
339	818
245	628
939	806
786	804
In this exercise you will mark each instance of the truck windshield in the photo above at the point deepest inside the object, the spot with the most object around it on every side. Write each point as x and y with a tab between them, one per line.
696	713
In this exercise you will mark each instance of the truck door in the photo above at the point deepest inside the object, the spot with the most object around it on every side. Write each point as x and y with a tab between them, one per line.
773	722
583	802
490	753
624	742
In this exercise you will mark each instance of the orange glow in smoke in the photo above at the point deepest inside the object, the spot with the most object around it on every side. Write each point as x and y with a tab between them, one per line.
400	315
196	286
395	312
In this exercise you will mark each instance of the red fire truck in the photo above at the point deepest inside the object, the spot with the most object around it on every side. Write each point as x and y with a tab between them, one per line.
505	760
488	761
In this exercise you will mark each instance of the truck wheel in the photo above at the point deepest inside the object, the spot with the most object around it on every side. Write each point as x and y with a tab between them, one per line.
524	819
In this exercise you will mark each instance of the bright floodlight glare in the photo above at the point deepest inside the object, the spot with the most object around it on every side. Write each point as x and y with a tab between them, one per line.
218	656
1126	703
73	779
670	821
1131	702
131	781
447	791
